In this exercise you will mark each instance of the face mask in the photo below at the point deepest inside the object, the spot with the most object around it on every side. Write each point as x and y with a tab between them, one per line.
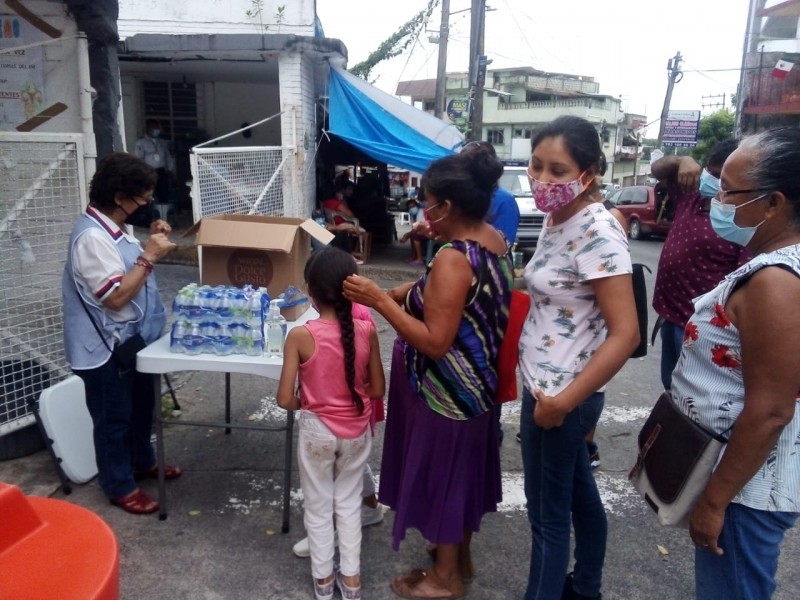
141	217
709	185
722	220
432	222
156	133
552	196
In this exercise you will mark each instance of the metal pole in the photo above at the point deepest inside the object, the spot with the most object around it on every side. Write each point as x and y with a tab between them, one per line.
752	31
441	70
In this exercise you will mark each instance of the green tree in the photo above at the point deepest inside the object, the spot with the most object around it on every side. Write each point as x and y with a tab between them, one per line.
714	128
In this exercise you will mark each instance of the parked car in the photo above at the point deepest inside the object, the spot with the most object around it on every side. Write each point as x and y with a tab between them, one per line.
531	219
646	208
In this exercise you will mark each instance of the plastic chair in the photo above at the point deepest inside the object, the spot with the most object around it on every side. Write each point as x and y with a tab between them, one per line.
67	427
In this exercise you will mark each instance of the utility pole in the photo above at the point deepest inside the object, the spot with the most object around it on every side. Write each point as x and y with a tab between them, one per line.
674	74
477	73
441	70
713	101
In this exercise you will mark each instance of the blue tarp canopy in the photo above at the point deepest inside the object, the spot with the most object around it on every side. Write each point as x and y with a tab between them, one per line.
385	127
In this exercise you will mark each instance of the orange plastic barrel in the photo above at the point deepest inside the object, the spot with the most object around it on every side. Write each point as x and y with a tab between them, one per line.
53	549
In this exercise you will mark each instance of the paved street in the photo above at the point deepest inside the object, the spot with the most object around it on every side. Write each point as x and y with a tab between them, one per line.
222	538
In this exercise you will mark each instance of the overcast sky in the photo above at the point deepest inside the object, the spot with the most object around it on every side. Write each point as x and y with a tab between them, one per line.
623	44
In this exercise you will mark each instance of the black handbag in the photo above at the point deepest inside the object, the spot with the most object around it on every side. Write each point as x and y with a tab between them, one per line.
640	297
675	460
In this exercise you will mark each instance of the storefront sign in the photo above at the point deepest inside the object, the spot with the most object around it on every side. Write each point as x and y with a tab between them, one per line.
680	129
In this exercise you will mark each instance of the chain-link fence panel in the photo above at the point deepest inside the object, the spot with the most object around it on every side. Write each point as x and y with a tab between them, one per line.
42	192
242	181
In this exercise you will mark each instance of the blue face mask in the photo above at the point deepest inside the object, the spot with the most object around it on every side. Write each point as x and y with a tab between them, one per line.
709	185
156	133
722	220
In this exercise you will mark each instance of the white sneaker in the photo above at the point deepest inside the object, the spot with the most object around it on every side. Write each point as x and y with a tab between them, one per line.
371	516
302	550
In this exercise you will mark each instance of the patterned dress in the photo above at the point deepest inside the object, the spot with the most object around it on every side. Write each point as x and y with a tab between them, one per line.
440	470
708	385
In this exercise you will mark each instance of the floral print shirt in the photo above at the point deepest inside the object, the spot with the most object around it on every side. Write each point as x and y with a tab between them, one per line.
708	386
564	327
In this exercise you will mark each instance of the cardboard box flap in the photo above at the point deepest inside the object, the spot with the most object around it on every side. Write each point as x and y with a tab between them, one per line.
246	234
319	233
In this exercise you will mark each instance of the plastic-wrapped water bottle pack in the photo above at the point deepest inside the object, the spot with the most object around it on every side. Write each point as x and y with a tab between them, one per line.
219	320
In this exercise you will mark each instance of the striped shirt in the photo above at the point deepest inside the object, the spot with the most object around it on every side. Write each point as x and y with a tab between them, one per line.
708	385
462	383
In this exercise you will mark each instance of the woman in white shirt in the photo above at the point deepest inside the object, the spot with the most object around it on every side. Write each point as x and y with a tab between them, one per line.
580	330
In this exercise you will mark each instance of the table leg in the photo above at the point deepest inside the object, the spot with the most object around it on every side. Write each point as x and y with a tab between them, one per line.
287	469
159	421
227	401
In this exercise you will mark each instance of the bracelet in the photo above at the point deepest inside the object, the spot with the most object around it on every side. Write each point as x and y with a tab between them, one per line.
144	263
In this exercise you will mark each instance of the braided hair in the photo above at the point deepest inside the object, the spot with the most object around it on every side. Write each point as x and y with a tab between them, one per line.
325	273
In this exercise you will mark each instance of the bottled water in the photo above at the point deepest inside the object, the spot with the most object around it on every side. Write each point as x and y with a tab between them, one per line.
276	330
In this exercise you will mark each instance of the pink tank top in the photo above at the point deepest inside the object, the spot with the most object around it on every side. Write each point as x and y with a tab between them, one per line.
323	386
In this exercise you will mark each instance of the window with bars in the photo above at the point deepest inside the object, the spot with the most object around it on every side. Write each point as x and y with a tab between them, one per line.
496	137
522	132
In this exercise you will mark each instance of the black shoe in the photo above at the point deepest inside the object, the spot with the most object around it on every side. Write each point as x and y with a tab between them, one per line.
568	593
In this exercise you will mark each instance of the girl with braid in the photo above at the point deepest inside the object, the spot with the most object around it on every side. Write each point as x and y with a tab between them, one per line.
336	361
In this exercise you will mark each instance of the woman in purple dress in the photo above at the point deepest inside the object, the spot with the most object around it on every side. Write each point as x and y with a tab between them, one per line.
441	463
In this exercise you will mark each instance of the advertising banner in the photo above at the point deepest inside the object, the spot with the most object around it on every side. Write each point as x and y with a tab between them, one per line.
681	128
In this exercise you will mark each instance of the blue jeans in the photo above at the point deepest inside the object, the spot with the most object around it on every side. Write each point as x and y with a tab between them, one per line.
559	487
671	344
121	406
751	540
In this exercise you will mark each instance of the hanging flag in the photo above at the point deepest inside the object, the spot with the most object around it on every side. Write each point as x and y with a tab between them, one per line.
781	70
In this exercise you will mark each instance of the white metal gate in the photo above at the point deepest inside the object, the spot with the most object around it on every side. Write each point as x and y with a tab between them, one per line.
246	180
42	191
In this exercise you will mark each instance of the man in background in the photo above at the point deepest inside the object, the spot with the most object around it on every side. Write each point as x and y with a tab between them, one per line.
694	258
154	150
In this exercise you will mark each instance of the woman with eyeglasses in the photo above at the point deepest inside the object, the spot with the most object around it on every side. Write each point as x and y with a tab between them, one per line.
441	462
739	373
110	297
580	330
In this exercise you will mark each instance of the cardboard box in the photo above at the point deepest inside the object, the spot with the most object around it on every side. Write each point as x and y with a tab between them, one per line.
262	251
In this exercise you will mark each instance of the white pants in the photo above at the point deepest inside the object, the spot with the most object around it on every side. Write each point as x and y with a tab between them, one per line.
331	475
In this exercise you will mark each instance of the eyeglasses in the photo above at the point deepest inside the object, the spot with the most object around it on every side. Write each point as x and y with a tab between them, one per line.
723	194
147	200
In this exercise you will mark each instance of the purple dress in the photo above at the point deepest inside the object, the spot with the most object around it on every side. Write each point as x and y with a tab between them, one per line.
441	474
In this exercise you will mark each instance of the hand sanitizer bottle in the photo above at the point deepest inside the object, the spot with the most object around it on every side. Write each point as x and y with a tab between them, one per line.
276	330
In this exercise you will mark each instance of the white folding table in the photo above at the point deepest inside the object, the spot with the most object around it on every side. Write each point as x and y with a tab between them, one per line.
157	359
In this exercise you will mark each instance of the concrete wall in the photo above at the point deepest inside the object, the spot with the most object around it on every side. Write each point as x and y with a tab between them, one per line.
214	16
298	101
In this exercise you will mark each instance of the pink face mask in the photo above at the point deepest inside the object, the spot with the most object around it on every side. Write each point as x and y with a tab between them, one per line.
432	222
552	196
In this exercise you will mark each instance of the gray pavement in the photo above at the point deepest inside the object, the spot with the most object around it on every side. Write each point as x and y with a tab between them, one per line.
222	537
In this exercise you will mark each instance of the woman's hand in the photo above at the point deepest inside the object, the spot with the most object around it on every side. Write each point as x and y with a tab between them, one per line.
705	526
363	290
549	412
160	226
157	247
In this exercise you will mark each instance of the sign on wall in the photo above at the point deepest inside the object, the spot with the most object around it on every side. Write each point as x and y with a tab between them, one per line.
680	129
22	94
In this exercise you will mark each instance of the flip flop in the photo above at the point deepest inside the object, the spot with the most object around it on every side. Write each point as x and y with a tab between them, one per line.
407	586
136	503
170	472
